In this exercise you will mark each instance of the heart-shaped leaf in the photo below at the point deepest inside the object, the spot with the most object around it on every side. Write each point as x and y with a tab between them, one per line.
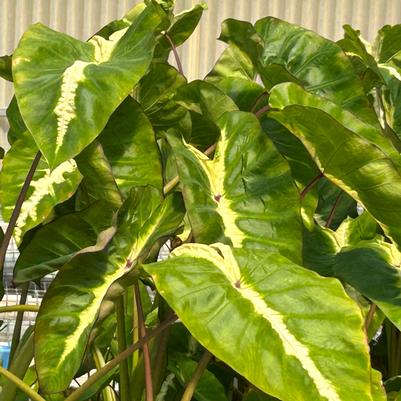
289	331
84	82
72	302
245	195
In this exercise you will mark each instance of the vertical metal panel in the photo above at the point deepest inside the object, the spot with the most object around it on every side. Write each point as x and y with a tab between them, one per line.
82	18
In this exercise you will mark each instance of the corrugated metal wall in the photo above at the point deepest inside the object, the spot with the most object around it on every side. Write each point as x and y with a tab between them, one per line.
81	18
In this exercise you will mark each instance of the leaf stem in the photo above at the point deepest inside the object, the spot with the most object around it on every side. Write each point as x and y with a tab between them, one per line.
18	321
262	111
18	308
333	210
257	101
21	385
191	386
310	185
176	56
14	216
122	345
120	357
107	392
145	348
369	317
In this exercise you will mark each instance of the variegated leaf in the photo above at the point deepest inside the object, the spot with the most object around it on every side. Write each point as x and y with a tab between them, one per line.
84	82
289	331
47	189
72	302
245	196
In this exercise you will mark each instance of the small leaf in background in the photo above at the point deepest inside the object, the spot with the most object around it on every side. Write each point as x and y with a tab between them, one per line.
208	388
181	28
5	68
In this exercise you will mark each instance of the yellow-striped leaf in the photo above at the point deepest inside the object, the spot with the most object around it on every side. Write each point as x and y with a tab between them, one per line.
84	82
72	302
245	196
289	331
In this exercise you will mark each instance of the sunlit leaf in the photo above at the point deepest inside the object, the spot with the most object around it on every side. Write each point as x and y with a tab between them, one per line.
290	332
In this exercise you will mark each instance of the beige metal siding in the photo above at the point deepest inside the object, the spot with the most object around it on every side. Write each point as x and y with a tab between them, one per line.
81	18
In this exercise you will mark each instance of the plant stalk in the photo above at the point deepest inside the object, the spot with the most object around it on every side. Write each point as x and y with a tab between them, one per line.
333	210
257	101
145	348
122	345
191	386
21	385
262	111
369	317
18	321
310	185
176	56
14	216
120	357
19	308
107	392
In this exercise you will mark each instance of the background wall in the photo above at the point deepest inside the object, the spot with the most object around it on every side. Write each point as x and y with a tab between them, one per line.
81	18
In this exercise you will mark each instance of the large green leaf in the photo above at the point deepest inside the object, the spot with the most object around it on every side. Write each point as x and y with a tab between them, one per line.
292	333
57	242
72	302
84	82
47	189
129	144
351	153
316	63
245	195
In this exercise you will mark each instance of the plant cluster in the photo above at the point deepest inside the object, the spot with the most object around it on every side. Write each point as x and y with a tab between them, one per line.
275	183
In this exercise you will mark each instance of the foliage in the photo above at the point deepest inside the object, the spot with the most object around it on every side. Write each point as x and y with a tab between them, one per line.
274	183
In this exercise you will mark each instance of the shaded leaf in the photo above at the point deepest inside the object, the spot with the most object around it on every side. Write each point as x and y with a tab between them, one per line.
129	145
5	68
206	104
57	243
155	94
208	387
260	313
98	180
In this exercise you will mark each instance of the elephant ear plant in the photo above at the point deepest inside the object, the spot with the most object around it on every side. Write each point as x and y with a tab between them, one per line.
274	186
